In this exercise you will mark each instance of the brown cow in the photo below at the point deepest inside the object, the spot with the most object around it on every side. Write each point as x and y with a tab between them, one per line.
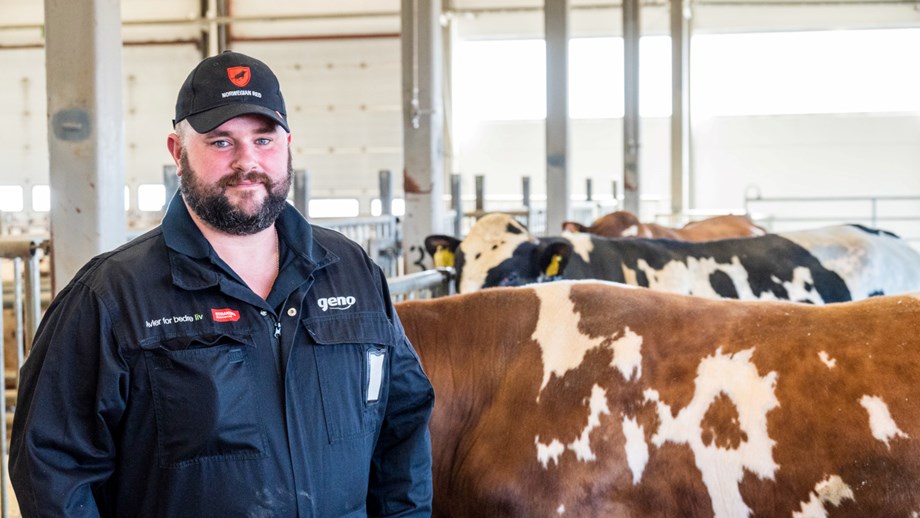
625	224
594	399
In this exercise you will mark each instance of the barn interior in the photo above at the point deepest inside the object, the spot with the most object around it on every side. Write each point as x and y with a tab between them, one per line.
412	118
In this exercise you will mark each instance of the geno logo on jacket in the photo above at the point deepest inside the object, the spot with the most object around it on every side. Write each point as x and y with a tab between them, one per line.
339	303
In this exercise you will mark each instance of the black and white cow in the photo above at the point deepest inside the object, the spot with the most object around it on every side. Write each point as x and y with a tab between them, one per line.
829	264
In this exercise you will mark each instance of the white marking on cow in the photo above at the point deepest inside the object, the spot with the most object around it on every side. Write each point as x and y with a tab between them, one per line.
830	362
693	278
629	275
632	230
560	509
636	447
880	422
563	346
548	452
801	288
867	263
734	375
487	244
581	244
832	490
627	354
598	405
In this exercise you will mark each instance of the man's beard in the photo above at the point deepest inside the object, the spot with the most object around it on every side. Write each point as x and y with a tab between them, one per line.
211	204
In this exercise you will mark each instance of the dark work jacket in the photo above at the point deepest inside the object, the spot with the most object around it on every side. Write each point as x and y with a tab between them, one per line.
160	385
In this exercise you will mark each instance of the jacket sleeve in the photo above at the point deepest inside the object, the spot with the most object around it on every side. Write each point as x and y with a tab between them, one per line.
72	393
400	478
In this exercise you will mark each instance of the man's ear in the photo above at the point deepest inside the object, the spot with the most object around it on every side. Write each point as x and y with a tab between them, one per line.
174	144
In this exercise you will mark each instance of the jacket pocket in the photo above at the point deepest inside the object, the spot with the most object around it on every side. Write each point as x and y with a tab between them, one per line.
203	394
352	357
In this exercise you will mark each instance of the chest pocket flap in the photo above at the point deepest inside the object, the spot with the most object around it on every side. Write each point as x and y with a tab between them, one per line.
352	361
373	328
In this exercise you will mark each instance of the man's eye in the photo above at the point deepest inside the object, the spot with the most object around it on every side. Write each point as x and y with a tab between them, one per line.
220	143
264	141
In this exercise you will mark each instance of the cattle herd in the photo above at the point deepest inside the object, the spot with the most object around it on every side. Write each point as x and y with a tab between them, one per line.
610	376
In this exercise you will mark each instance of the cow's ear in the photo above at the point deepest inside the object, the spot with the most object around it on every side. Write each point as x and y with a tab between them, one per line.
552	258
442	249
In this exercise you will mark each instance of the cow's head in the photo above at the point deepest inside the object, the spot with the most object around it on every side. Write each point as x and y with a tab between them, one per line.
573	226
499	251
616	224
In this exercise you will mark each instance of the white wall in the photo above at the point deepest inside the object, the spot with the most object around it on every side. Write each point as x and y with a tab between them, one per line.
344	98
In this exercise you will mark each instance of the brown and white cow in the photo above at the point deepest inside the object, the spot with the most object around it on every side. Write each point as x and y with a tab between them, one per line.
587	398
626	224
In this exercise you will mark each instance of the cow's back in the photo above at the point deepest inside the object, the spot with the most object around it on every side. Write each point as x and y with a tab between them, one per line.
768	267
871	262
720	227
589	399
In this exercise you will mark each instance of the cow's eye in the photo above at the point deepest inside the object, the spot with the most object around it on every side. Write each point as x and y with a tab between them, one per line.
512	279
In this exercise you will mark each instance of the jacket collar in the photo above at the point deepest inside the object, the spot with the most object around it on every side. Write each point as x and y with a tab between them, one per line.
195	266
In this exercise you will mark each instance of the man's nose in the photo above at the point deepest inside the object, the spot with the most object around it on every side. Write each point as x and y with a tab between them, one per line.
245	158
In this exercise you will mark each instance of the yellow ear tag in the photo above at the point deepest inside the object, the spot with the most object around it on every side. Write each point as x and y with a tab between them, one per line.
552	269
443	258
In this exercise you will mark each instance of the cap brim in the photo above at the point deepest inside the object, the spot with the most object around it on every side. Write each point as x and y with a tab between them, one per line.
209	120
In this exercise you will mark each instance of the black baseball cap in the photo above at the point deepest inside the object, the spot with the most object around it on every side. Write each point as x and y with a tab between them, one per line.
228	85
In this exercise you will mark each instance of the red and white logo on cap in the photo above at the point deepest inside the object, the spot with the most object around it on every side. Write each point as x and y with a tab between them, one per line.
239	76
225	315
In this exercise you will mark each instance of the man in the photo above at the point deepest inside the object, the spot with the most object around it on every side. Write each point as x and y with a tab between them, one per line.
235	361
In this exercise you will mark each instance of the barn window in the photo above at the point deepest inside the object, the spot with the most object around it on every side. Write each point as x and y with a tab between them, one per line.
10	198
334	208
151	197
399	207
41	198
811	72
506	79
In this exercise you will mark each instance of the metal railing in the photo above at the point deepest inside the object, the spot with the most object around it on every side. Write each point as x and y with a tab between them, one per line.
378	235
898	214
21	289
427	284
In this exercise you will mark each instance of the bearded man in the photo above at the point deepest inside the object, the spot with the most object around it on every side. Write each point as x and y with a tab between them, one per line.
234	361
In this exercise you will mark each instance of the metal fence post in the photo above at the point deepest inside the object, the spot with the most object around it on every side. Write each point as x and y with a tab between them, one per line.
456	203
302	191
480	192
525	199
170	183
386	192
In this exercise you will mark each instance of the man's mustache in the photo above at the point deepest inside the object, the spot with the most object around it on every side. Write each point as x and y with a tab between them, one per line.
239	177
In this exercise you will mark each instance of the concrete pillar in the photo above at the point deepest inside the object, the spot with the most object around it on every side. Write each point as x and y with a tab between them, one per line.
86	134
423	128
556	22
631	177
680	109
